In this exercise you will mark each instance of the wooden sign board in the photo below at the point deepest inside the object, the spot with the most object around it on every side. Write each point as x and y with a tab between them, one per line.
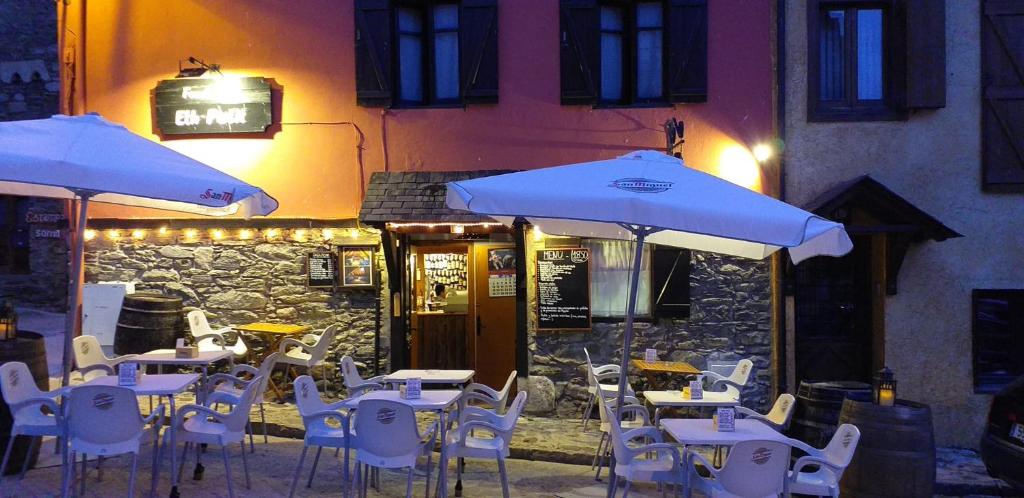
563	289
192	106
322	270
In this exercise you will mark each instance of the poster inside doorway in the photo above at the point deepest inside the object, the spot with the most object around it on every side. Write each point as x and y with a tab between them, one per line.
501	272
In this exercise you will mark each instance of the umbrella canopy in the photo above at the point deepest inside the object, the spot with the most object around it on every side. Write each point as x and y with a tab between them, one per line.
66	156
684	207
89	158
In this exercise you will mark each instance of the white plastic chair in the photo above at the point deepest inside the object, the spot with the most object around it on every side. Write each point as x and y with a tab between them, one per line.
105	421
595	376
91	361
210	339
481	394
355	385
306	355
753	468
207	426
227	389
26	403
630	406
734	383
654	460
388	437
778	417
462	443
325	425
831	462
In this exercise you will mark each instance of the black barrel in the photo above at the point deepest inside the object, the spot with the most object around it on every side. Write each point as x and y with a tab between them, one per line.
147	322
896	454
817	409
30	349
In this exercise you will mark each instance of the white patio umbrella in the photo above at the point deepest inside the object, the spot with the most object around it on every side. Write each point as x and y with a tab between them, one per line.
648	196
88	158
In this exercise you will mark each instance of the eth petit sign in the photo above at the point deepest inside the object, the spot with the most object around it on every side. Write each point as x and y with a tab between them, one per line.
192	106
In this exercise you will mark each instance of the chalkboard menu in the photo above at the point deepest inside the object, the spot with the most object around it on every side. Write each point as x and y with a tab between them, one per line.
322	270
563	289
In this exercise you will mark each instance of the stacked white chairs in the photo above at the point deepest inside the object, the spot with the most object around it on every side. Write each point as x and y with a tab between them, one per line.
597	378
91	361
482	395
388	437
227	389
650	459
26	403
463	443
778	417
753	468
830	461
209	339
638	418
734	383
105	421
355	385
298	353
325	425
210	427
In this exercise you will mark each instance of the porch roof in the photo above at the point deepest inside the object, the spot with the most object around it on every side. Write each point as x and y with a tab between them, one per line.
417	196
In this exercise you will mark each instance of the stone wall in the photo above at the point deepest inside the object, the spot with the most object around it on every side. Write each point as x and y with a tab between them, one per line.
45	286
242	281
730	319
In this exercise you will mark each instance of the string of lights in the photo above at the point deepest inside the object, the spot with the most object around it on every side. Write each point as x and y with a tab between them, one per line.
223	234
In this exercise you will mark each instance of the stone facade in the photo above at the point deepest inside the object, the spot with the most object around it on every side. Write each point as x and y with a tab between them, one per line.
45	285
243	281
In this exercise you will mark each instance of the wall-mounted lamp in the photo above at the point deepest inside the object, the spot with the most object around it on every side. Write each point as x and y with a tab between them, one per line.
200	68
762	152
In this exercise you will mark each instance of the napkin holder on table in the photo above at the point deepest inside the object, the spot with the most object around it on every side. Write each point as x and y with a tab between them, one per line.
724	420
128	374
411	389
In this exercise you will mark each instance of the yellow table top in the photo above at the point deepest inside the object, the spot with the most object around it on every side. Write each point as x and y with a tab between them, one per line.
676	367
272	328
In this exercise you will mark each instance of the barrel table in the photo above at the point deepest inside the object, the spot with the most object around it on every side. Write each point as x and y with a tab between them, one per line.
148	321
896	454
816	414
30	349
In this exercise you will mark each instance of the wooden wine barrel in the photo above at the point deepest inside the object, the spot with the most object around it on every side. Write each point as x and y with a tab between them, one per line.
896	454
817	409
30	349
148	321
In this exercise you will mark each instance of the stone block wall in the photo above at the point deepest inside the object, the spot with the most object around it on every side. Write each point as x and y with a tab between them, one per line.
29	71
45	286
243	281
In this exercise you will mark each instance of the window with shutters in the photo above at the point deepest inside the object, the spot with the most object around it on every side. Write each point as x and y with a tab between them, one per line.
616	53
423	53
1002	107
998	338
664	284
14	235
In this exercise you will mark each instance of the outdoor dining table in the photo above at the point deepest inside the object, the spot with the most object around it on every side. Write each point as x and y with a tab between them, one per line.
650	369
167	385
673	399
438	401
161	357
272	334
431	376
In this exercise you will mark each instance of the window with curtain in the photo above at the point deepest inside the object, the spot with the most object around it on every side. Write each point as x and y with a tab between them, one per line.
632	51
428	54
611	266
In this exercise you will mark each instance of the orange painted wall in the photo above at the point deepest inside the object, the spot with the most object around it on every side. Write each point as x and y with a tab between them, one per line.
306	47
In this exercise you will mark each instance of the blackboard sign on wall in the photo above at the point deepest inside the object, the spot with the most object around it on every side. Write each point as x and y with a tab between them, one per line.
563	289
186	106
322	269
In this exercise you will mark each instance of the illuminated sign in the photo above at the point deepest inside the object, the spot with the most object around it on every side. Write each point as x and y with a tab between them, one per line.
191	106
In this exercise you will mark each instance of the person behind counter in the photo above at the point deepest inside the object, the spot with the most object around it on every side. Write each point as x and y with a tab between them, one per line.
437	297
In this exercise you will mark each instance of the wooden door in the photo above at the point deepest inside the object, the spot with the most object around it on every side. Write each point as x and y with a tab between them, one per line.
1002	80
834	316
495	317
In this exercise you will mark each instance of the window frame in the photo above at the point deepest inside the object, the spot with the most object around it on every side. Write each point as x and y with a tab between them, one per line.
630	41
429	77
851	108
657	311
1015	298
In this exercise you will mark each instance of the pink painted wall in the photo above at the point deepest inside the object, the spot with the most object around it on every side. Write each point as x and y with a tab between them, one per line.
306	46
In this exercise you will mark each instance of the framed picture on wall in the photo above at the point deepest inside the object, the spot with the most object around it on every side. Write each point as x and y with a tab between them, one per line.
357	266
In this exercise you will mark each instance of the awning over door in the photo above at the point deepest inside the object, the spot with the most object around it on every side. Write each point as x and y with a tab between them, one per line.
417	197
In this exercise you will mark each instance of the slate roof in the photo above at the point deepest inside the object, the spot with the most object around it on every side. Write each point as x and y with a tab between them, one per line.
416	196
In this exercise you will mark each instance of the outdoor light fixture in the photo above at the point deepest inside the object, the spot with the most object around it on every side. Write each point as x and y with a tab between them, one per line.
299	235
537	234
138	234
90	234
113	234
191	233
200	69
273	232
354	233
885	387
738	165
217	234
8	324
163	232
458	229
245	234
762	152
327	234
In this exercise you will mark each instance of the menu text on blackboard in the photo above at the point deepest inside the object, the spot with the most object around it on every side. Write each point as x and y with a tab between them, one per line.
322	269
563	289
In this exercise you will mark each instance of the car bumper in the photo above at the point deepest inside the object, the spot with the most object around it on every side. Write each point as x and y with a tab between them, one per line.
1003	460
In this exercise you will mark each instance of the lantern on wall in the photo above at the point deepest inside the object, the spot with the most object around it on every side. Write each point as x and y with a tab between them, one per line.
885	387
8	323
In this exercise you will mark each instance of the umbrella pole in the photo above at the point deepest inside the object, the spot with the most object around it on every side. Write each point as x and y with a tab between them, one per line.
74	300
634	283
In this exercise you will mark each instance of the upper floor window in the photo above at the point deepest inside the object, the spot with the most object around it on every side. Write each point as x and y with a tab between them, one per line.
633	53
426	53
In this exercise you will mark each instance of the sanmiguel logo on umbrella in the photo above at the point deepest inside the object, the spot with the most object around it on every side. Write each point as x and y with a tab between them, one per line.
220	196
641	185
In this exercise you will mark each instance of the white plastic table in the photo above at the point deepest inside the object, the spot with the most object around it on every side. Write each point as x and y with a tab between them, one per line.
161	357
453	377
701	432
669	399
434	400
157	385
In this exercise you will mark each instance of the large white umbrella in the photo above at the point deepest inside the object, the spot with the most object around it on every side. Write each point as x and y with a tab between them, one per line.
88	158
648	196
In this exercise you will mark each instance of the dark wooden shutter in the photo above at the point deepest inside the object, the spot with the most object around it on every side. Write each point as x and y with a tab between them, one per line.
926	53
670	282
580	42
373	52
1002	79
688	51
478	49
